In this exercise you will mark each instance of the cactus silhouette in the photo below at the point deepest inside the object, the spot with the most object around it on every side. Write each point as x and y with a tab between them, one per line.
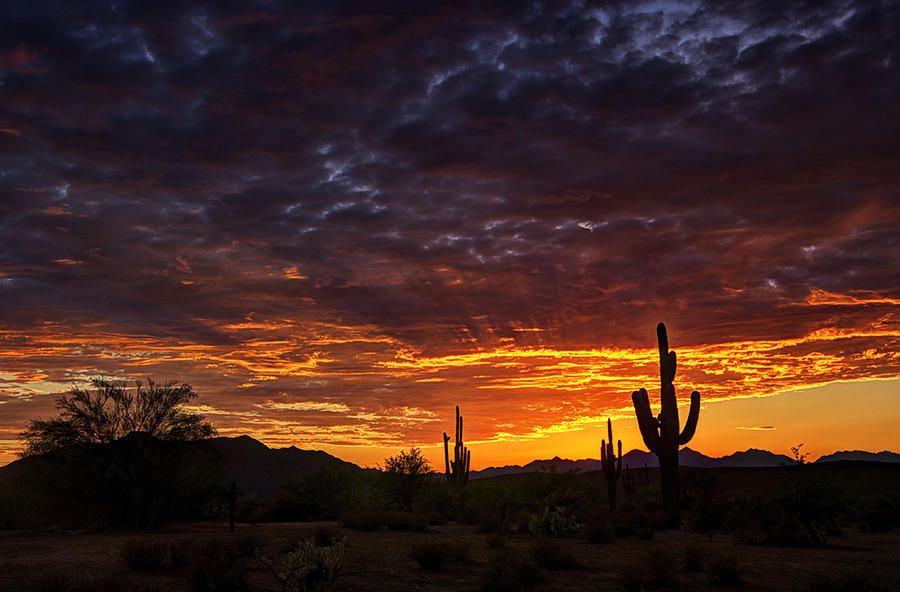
458	470
660	433
611	468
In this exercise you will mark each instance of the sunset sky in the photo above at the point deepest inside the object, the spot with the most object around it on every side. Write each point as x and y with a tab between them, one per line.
338	220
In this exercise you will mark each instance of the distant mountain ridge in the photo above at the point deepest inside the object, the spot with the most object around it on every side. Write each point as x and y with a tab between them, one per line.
260	470
687	457
253	466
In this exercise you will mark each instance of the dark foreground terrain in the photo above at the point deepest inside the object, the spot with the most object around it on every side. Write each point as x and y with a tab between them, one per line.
381	560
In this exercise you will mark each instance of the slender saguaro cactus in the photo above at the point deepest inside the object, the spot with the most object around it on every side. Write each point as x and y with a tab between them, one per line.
458	470
661	433
611	465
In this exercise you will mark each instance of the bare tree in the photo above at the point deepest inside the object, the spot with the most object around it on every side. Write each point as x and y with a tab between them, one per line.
111	412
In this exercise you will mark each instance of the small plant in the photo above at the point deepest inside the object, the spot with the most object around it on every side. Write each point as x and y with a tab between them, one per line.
495	541
726	569
554	555
552	523
309	568
145	555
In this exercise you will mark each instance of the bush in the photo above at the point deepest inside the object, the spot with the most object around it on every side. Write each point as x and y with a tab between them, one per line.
552	523
325	534
215	567
145	555
309	567
511	571
554	555
379	520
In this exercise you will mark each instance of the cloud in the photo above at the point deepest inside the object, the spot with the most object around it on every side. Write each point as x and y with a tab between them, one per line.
310	205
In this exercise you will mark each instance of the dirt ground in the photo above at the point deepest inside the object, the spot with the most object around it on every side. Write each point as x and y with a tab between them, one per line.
30	560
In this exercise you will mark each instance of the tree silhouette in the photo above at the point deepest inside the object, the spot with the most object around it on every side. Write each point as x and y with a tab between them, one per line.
408	473
111	412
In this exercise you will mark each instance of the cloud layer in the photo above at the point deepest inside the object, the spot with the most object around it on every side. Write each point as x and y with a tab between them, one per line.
337	223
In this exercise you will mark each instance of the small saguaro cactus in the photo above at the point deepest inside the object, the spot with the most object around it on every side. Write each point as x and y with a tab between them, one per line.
458	470
660	433
611	465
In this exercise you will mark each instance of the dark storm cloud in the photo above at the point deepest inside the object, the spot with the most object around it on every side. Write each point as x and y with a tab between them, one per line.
448	178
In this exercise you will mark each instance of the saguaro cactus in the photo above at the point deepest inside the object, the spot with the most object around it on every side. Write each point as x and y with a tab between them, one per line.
611	465
661	433
458	470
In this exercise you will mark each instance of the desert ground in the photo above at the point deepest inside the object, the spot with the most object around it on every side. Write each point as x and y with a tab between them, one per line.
381	560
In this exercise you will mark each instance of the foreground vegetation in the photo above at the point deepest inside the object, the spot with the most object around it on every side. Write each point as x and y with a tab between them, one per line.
748	528
205	556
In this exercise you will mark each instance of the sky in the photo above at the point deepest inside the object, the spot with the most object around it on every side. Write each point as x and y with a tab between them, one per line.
338	220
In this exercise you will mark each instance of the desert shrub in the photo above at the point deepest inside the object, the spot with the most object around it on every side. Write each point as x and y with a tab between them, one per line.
556	522
694	557
363	520
324	534
309	567
379	520
727	570
640	521
145	555
215	567
844	582
599	528
511	570
242	544
406	521
554	555
813	501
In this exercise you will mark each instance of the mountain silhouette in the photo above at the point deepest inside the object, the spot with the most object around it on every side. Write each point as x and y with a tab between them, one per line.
636	459
260	470
256	468
883	456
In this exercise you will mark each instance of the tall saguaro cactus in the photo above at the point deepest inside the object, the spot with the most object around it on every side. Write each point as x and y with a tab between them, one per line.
611	465
661	433
458	470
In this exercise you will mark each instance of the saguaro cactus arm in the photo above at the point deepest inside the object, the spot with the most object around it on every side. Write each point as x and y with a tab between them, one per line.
446	454
690	426
648	424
